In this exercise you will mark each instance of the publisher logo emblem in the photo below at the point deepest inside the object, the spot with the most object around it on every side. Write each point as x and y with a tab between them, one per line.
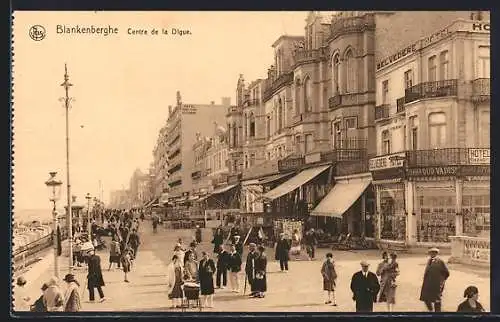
37	32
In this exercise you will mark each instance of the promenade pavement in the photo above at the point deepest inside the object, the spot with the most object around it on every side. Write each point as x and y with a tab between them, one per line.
299	290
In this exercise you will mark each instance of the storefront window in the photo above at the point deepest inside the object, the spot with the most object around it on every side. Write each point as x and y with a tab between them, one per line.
476	210
392	212
436	215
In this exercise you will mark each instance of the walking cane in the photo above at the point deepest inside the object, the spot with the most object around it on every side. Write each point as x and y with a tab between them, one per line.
245	288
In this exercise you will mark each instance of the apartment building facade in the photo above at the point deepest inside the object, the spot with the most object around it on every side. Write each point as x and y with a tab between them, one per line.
432	173
184	122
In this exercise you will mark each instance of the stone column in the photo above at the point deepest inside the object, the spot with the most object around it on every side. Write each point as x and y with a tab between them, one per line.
363	215
411	224
459	229
377	213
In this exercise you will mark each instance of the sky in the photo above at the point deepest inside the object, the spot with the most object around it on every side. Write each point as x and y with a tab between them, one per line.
122	87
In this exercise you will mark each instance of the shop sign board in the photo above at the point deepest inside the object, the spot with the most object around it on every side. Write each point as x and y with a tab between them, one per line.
479	156
477	170
433	171
395	160
390	173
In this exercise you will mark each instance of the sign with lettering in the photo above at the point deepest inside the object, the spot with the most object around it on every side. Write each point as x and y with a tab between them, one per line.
475	170
391	173
189	109
479	156
435	37
398	55
395	160
480	26
432	171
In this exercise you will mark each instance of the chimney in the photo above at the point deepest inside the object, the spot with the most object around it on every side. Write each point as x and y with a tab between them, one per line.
169	110
226	101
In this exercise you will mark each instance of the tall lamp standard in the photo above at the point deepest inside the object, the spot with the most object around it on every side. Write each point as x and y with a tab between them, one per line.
89	225
54	187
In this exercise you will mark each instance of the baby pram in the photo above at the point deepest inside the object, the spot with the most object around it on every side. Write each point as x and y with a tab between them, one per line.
191	294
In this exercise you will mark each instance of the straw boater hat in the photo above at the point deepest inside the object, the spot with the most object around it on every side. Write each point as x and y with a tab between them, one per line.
364	264
252	245
433	250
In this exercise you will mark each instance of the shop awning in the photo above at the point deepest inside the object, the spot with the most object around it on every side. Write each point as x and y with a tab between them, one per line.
342	196
150	203
223	189
295	182
193	198
273	178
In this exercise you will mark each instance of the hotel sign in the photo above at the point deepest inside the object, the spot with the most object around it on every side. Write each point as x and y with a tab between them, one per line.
386	162
398	55
479	156
313	158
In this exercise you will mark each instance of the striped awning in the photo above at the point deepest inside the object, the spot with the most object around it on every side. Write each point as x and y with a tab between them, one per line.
295	182
342	196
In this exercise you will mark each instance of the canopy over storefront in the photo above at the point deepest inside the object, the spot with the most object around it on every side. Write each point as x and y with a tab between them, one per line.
342	196
163	198
151	203
273	178
295	182
222	189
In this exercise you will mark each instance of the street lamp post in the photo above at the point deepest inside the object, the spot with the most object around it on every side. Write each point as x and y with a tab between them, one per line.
89	224
54	187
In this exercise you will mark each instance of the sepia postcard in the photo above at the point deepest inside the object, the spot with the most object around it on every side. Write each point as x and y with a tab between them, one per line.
238	161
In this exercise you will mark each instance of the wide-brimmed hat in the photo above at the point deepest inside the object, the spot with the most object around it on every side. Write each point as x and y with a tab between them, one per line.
69	278
433	250
21	281
364	264
44	286
252	245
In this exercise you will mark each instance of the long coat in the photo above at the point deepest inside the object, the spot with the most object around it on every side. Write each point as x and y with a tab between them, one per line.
260	281
94	276
234	262
72	298
282	250
250	269
435	275
365	290
206	274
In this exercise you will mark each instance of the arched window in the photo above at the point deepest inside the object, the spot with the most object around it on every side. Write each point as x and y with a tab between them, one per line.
297	96
350	72
252	125
280	114
437	130
335	74
307	95
386	142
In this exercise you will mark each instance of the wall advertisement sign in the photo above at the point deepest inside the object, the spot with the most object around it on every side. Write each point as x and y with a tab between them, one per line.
395	160
479	156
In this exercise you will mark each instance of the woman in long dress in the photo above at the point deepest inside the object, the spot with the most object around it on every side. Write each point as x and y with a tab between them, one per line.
72	295
329	279
388	271
179	253
191	269
175	273
206	275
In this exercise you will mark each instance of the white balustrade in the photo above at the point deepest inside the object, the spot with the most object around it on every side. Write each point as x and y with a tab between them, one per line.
470	250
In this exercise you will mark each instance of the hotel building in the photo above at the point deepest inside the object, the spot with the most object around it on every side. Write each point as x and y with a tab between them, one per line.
432	172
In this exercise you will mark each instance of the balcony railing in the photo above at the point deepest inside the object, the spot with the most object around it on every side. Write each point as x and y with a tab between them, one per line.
481	89
344	25
351	143
344	155
252	102
441	88
382	112
400	104
352	167
448	156
278	83
303	55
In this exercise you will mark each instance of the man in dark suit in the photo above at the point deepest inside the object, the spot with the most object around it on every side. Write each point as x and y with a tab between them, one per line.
436	273
250	268
94	276
365	287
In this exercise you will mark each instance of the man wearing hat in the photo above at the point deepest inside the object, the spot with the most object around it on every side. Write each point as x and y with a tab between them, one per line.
435	276
364	287
250	268
282	252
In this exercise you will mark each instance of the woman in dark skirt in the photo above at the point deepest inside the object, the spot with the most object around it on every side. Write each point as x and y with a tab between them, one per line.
329	278
175	273
126	263
206	275
260	281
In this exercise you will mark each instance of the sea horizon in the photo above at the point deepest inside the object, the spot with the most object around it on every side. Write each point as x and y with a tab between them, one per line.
33	214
